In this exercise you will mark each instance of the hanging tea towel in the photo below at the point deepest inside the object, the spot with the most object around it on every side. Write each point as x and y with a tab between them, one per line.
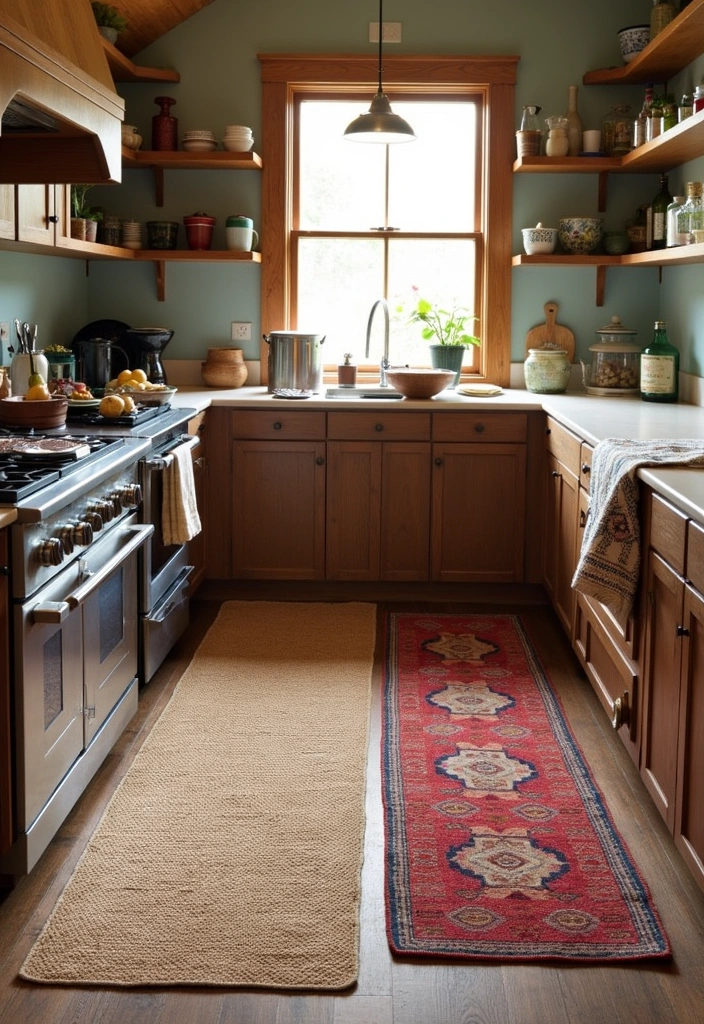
180	521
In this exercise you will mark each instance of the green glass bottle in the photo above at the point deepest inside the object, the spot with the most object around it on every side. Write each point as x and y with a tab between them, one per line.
659	368
657	216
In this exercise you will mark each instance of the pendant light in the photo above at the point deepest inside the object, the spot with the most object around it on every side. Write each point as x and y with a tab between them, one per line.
380	124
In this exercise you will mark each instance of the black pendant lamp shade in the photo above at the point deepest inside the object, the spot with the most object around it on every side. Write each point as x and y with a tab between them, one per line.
380	124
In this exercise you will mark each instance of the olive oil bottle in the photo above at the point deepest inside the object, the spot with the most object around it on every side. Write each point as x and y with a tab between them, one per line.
659	368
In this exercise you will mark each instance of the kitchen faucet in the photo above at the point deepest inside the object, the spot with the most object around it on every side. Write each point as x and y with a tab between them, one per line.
384	365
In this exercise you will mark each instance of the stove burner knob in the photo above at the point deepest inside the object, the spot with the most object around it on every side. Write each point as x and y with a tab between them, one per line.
130	495
83	532
66	538
50	551
105	509
115	497
93	519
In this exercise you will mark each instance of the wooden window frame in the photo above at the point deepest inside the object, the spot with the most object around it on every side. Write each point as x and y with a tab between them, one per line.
283	76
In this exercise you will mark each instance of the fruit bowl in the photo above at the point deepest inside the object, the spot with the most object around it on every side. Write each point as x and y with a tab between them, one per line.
580	235
43	415
155	394
415	382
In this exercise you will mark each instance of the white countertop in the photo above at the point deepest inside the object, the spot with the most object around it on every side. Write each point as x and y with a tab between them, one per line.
591	417
7	516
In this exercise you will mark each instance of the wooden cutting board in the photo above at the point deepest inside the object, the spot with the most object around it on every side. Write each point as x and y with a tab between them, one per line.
551	334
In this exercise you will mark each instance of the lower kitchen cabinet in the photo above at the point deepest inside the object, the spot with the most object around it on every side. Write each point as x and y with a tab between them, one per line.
561	535
6	812
196	546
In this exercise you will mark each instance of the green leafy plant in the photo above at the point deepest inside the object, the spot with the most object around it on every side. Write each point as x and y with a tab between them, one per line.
79	205
442	326
108	16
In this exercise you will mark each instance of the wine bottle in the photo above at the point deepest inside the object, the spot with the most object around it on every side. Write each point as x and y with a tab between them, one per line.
659	368
656	220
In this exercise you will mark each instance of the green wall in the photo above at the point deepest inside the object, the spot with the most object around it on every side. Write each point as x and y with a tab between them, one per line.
215	53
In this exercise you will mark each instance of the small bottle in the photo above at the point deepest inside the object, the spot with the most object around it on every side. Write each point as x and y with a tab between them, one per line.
656	217
575	128
673	236
691	216
640	125
698	100
661	15
685	108
659	368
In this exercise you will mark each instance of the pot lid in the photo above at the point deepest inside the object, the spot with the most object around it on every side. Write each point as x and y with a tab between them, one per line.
616	328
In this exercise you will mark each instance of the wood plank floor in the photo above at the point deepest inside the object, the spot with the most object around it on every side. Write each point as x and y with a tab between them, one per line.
390	990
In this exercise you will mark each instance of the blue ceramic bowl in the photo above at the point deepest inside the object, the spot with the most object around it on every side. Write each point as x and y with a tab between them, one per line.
632	40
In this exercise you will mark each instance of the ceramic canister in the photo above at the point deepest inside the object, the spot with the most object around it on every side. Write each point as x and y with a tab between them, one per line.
240	234
547	371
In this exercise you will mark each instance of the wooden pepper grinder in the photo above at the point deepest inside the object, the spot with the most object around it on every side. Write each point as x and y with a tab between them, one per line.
347	372
164	126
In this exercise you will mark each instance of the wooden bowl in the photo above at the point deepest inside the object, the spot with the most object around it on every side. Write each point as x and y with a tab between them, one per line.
419	383
44	415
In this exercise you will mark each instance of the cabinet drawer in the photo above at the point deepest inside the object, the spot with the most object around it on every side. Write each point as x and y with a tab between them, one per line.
486	427
564	445
695	555
289	426
668	532
585	465
379	426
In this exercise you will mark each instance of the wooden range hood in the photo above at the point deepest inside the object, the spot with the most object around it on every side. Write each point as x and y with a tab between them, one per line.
61	115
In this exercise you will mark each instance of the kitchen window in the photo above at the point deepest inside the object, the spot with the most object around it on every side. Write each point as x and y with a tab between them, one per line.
325	259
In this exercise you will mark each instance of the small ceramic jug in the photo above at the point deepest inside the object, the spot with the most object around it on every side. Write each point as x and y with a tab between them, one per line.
240	234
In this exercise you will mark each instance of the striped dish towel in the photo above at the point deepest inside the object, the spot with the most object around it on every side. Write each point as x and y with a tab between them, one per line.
609	562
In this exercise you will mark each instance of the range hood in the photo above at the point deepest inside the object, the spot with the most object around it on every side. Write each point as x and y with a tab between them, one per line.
60	114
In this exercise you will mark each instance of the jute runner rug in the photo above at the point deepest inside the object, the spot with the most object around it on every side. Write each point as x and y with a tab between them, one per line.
498	842
231	852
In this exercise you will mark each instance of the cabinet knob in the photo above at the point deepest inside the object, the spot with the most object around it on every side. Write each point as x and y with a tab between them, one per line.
682	631
438	461
4	570
582	519
277	425
320	461
378	427
479	428
53	219
555	473
586	468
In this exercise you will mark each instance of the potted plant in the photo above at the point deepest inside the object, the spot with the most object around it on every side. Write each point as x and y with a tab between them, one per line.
446	330
84	220
109	20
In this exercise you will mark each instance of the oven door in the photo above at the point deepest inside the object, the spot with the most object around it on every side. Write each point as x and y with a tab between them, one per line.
76	655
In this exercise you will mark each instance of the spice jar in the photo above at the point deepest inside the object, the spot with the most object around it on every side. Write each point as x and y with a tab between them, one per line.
614	368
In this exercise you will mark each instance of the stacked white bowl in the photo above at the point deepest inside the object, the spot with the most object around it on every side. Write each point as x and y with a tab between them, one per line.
198	141
132	234
238	138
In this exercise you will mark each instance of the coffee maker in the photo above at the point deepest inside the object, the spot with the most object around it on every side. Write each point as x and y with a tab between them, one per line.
144	346
95	363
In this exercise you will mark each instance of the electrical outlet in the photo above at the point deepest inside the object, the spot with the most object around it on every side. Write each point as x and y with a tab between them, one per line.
241	331
390	31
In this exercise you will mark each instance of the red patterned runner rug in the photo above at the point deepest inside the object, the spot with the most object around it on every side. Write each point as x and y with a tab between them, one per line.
498	842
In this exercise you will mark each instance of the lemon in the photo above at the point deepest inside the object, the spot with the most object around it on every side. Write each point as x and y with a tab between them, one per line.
138	375
128	403
37	393
111	405
124	376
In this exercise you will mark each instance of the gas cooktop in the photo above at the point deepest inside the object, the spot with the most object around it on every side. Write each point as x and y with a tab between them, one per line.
31	461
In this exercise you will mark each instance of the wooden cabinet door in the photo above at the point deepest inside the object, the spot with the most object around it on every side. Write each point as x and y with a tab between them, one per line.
35	214
689	807
353	510
196	546
478	513
661	684
278	510
7	211
405	511
560	539
6	801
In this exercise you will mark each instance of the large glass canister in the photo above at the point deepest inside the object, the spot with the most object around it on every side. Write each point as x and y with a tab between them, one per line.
614	367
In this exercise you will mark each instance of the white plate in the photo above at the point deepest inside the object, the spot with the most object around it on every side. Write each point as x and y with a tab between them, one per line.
85	403
479	390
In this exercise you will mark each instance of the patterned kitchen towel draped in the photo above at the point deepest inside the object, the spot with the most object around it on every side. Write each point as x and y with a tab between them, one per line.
609	562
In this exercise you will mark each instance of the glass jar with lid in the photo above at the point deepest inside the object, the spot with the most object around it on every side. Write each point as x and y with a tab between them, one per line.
617	131
614	366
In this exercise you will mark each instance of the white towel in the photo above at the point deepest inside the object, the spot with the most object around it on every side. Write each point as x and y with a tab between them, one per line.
180	521
609	563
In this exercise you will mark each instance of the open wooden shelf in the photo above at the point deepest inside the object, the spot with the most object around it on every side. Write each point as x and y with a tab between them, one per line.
160	258
180	160
672	49
123	70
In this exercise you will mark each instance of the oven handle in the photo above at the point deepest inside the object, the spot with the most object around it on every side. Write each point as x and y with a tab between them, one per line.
139	536
158	462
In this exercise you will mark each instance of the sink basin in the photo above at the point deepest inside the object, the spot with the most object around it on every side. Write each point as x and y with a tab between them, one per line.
373	392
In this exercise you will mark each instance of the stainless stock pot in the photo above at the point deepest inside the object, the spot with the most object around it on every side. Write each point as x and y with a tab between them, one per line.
295	360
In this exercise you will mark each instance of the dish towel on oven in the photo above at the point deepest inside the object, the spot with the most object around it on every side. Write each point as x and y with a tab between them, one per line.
609	562
180	521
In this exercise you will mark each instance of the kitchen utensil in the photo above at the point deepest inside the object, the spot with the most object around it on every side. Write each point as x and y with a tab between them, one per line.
21	368
415	382
551	334
95	361
295	360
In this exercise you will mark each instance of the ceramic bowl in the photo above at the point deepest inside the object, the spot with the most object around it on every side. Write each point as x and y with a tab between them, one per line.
580	235
616	242
632	40
43	415
157	396
199	145
419	383
539	240
237	146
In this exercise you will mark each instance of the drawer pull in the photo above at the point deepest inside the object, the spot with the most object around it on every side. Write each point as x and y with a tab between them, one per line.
378	427
277	425
619	711
479	428
582	518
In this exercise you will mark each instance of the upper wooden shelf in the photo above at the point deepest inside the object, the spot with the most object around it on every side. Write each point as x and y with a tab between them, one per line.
123	70
671	50
174	160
